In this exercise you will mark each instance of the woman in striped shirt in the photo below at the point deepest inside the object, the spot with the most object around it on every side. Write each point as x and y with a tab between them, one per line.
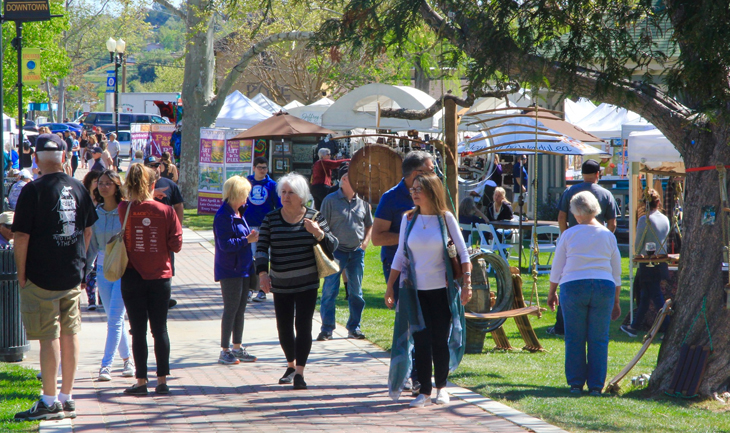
286	266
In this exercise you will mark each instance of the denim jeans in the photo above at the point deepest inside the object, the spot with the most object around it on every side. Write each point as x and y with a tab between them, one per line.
353	265
116	335
587	307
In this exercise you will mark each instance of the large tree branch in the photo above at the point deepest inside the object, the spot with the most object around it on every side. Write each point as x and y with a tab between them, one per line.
169	6
404	113
668	115
248	56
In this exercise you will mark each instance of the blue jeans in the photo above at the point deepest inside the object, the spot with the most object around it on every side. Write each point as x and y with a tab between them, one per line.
116	335
587	307
353	265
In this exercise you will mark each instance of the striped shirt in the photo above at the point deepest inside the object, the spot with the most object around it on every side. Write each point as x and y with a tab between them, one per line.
287	249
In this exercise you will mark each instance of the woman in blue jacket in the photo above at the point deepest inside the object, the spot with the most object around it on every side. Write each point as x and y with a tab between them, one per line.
234	266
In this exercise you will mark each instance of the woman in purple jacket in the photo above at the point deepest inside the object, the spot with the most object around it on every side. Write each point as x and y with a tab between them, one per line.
234	267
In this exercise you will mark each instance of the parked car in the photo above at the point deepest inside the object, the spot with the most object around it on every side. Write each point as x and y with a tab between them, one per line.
105	120
29	125
75	127
125	143
56	127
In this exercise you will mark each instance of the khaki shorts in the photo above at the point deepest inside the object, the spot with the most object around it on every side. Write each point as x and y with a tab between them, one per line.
48	313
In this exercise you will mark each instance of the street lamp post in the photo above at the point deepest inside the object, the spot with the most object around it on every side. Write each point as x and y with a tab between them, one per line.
116	55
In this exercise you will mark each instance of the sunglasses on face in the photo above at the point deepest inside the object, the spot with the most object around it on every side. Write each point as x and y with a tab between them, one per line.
262	167
416	190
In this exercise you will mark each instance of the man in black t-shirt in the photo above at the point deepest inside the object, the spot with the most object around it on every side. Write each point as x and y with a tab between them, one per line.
52	229
167	192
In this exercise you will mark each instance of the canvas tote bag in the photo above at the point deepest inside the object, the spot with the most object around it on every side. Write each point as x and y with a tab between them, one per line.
115	258
326	266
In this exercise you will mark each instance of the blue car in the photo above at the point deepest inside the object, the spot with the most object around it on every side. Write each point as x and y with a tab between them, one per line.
61	127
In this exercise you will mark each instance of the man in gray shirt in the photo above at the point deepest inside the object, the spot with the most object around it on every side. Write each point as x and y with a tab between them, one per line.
351	221
607	216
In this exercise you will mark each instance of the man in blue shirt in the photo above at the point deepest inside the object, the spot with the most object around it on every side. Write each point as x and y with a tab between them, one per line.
386	224
262	200
519	180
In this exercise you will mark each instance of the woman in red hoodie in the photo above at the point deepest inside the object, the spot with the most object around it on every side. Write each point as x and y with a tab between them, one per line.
151	233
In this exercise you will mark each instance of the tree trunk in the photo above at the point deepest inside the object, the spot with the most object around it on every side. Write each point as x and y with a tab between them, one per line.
700	275
61	88
197	94
50	102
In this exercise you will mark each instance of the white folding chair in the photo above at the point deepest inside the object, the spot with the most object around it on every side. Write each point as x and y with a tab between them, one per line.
547	241
493	244
466	230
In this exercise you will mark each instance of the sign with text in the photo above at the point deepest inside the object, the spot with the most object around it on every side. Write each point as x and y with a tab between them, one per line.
151	138
31	66
220	158
26	10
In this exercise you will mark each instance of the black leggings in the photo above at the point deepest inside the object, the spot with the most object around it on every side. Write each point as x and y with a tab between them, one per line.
147	300
432	344
285	306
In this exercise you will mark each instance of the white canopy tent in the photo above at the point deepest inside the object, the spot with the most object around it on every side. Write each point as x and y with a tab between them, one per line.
267	104
313	112
359	108
606	120
577	111
292	104
650	149
240	112
520	99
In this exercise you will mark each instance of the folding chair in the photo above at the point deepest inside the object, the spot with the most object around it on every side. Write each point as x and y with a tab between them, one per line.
493	244
466	230
546	244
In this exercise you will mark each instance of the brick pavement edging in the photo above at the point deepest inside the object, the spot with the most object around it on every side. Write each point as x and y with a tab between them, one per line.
346	380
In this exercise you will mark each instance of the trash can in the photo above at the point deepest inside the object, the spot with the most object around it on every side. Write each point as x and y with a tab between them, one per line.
13	343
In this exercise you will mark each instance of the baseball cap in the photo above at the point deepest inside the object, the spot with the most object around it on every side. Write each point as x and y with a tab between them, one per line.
7	218
590	166
151	161
49	142
25	174
96	149
344	168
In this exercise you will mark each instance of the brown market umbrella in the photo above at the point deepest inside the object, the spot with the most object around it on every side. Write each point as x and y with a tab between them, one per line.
282	125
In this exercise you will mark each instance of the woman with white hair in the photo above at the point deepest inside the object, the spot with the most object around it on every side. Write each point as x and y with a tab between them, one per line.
322	175
587	267
286	266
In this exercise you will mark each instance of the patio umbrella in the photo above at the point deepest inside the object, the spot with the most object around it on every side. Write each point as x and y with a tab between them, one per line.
518	135
283	125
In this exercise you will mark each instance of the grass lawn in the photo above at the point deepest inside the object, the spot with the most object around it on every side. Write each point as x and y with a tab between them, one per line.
197	222
19	389
535	382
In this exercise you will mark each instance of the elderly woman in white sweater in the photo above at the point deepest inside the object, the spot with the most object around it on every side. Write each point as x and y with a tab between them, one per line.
587	267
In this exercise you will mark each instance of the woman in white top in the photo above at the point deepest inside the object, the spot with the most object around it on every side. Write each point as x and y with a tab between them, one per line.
425	244
587	266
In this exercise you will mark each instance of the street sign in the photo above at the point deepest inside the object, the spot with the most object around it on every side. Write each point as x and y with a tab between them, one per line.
27	10
111	80
31	66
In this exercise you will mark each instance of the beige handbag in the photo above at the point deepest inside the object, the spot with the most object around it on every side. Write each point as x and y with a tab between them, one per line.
115	257
326	266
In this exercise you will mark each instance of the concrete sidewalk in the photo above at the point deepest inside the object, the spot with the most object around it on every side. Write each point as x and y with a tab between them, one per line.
347	379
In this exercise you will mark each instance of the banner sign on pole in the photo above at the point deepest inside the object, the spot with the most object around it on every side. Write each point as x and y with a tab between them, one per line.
31	67
27	10
111	80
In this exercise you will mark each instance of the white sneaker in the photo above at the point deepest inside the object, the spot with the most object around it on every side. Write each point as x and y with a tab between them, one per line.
129	368
442	397
421	400
105	374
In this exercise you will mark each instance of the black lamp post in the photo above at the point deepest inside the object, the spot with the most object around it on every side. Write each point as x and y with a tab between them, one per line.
116	55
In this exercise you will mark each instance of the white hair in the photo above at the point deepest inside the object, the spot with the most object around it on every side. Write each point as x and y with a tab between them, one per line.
50	156
584	204
323	152
297	183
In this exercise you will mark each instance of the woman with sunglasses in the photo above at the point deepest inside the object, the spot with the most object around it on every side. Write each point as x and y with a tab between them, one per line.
108	193
429	289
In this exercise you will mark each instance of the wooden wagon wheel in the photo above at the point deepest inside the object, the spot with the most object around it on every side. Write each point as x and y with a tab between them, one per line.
374	169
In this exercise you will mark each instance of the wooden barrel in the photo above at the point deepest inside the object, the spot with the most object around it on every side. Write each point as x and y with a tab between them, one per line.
481	302
375	169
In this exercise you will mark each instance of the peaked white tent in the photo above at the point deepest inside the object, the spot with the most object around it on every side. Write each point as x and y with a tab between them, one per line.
577	111
293	104
240	112
652	148
606	120
313	112
358	109
266	103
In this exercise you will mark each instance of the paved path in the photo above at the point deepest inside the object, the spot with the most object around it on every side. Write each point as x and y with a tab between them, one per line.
347	379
